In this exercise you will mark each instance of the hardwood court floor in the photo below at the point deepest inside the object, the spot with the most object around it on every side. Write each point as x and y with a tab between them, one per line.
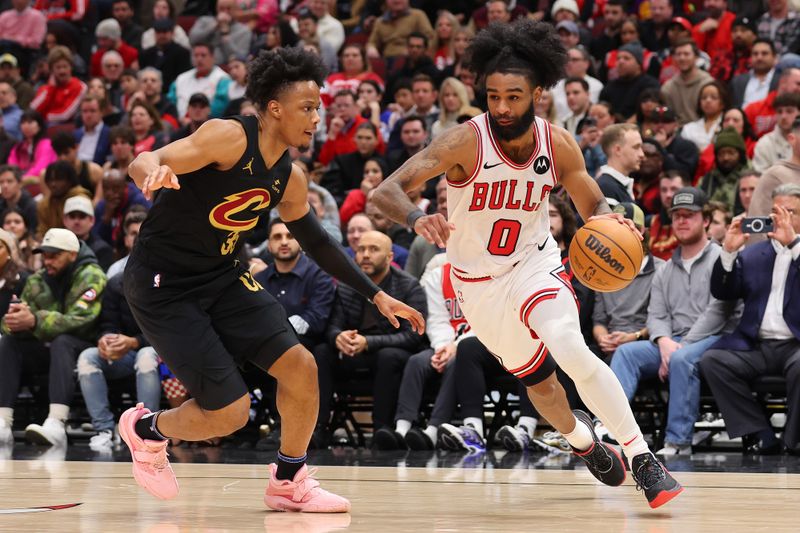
228	497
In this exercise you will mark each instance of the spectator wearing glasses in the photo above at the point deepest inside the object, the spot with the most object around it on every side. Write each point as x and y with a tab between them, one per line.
109	37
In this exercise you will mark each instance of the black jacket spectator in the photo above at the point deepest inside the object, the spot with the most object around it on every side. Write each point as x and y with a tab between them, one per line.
344	174
685	155
622	93
172	60
101	249
116	316
307	291
349	313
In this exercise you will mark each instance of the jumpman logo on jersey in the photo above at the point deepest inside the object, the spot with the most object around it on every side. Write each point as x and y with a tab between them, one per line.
249	166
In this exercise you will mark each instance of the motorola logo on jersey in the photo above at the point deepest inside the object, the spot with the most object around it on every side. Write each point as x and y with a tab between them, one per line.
223	215
541	165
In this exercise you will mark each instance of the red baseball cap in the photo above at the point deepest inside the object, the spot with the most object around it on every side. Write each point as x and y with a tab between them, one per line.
682	22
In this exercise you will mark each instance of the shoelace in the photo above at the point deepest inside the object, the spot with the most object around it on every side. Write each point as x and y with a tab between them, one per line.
648	473
305	486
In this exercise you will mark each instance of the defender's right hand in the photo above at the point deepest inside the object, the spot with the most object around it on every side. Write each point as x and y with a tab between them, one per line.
434	228
161	176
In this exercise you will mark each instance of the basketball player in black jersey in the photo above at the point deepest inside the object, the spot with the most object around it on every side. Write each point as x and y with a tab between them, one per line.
203	311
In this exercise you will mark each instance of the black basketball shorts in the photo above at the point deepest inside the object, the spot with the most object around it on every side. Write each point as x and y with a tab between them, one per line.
208	326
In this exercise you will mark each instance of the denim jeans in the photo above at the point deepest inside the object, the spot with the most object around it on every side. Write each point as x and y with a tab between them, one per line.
641	360
93	371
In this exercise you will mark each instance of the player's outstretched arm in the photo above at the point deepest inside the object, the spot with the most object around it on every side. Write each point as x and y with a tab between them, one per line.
331	257
453	152
219	142
582	188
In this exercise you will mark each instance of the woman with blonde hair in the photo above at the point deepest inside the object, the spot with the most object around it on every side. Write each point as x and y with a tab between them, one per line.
462	36
453	103
545	107
442	46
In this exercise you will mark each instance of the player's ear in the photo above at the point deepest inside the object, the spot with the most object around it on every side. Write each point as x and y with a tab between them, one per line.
274	109
537	94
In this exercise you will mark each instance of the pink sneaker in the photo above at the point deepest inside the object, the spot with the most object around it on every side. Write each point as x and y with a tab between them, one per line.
302	494
151	467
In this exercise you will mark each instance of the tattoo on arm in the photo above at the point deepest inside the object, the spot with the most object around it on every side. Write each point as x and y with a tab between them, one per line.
429	163
602	208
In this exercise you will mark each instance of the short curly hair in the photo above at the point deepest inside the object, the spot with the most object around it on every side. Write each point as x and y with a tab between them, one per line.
525	47
274	71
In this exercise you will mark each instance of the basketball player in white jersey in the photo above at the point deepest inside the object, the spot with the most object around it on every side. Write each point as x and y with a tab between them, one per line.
506	269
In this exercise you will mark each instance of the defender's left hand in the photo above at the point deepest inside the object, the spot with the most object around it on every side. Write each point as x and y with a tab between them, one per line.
391	308
622	220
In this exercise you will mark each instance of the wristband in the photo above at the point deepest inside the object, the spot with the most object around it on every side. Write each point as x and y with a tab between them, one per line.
412	217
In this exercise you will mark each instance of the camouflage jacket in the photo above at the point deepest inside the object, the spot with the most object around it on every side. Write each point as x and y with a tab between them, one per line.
68	304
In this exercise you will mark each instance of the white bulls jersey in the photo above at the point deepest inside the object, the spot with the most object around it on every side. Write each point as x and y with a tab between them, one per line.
501	211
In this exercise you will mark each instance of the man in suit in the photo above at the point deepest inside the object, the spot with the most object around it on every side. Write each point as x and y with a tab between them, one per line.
767	341
756	84
94	137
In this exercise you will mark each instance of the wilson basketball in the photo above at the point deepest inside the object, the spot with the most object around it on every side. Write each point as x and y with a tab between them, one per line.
605	255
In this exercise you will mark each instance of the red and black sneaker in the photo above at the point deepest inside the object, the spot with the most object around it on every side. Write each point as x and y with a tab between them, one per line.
651	477
603	461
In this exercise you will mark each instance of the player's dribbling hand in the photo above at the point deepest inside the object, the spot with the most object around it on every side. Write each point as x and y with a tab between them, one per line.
161	176
622	220
434	228
391	309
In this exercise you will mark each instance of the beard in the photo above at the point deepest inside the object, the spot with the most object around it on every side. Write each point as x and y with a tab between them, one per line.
514	130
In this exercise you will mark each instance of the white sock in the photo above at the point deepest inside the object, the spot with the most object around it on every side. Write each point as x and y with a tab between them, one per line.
475	422
59	411
581	437
432	432
402	427
7	414
528	423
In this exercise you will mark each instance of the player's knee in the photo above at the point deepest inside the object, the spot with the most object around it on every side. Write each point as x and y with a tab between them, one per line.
545	392
564	341
230	418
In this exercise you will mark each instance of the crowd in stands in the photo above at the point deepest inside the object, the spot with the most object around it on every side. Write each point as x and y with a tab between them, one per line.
687	113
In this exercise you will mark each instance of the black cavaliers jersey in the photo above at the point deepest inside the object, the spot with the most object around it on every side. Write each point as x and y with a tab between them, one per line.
202	226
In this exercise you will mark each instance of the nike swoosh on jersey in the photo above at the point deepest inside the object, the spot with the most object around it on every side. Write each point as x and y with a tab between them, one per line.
541	246
487	166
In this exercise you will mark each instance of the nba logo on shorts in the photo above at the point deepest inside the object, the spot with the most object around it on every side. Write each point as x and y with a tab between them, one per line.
157	280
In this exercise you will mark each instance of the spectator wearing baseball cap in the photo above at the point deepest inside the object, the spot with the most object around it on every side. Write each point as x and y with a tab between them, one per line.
10	72
743	35
109	37
622	93
199	112
56	320
79	219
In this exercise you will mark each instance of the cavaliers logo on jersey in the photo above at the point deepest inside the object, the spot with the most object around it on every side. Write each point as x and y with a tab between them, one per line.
223	216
